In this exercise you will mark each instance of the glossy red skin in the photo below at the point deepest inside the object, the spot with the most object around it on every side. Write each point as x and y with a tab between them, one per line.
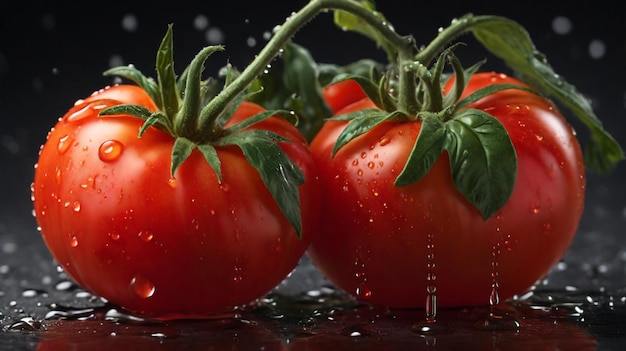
341	94
374	236
204	247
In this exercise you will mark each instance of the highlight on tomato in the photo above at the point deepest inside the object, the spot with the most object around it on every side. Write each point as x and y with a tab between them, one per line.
157	201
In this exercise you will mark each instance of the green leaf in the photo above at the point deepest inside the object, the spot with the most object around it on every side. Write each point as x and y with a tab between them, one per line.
180	152
300	77
362	122
293	84
426	150
210	155
348	21
483	161
146	83
166	75
510	41
279	173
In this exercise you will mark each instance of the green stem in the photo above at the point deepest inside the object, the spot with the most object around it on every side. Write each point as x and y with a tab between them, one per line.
458	27
404	45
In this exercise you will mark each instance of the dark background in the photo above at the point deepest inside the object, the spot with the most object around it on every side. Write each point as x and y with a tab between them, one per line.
52	54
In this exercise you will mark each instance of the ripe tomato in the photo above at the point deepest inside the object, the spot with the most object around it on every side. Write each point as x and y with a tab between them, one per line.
341	94
159	245
389	244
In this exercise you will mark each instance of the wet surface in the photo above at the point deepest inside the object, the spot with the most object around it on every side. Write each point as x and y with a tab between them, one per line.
42	310
580	305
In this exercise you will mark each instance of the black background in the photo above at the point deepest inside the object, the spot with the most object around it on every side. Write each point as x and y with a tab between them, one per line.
52	54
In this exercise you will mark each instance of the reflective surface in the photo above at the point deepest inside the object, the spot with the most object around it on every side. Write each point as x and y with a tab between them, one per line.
42	310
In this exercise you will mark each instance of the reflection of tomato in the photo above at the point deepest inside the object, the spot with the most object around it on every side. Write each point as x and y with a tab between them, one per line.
230	334
159	245
387	243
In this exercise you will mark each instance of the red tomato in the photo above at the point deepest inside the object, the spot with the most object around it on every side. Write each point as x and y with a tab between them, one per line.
161	246
388	244
341	94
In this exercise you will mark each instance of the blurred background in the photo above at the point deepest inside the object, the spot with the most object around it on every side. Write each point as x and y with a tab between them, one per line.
53	53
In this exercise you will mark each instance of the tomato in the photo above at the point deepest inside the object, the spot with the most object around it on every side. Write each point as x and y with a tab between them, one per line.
159	245
389	244
341	94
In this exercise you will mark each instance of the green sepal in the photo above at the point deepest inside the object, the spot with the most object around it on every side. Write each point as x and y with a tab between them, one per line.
248	122
150	118
360	123
127	109
279	173
512	43
156	119
131	73
187	117
483	161
462	76
218	120
180	152
166	75
210	155
426	150
375	90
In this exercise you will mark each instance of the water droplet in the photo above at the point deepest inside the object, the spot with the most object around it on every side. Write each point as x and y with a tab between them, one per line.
84	112
146	236
58	174
237	277
25	324
65	285
535	209
114	236
76	206
73	240
172	182
358	330
142	287
90	182
363	291
518	109
64	144
384	141
430	327
110	150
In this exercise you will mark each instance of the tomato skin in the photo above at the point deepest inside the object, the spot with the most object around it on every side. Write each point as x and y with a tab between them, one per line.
387	244
160	246
341	94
